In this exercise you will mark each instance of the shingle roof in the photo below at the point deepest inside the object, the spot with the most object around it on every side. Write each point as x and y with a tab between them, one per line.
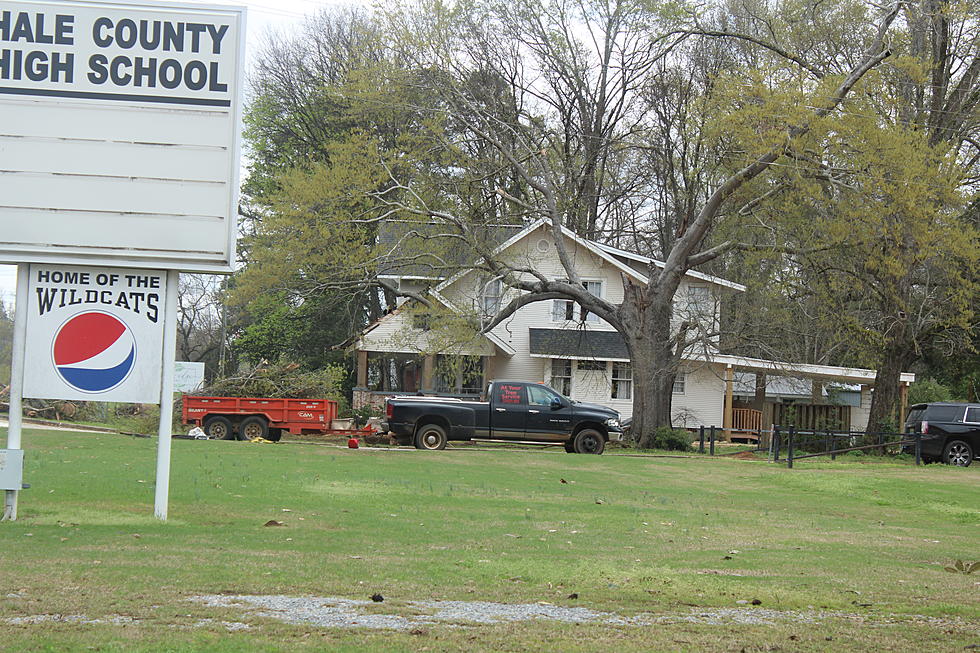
578	343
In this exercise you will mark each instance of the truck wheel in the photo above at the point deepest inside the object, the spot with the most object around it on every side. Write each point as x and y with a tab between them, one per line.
219	428
431	437
588	441
958	453
253	427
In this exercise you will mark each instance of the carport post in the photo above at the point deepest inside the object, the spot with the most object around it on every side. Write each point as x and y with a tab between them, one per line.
712	441
16	413
701	439
776	443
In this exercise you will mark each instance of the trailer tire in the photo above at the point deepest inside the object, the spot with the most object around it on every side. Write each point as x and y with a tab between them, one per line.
589	441
569	446
219	428
253	427
275	435
431	437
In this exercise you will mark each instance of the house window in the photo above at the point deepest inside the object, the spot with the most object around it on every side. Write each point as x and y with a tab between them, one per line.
460	375
490	297
700	301
421	321
679	382
561	376
562	310
592	366
594	288
622	381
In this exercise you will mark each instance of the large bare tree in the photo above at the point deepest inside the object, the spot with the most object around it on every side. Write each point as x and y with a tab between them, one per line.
579	76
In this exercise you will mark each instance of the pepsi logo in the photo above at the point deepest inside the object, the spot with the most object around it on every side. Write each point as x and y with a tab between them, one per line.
94	351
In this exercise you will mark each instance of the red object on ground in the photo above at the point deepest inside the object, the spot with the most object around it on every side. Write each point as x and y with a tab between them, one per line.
298	416
352	443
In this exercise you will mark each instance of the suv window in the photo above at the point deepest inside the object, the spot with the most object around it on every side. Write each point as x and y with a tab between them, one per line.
915	415
945	413
972	414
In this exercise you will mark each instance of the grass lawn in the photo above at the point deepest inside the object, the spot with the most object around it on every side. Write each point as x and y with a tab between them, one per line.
839	556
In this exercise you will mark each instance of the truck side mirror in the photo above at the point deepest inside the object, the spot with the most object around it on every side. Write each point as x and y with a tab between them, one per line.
556	403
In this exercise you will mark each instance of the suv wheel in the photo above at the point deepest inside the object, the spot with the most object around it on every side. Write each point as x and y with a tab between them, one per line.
958	453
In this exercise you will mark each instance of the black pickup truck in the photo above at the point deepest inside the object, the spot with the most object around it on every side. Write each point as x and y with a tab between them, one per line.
517	412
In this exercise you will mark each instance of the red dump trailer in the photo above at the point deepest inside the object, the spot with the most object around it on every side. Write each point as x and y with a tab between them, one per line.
245	418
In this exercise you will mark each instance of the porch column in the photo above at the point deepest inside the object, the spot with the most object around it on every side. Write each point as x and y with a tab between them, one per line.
362	369
428	366
729	408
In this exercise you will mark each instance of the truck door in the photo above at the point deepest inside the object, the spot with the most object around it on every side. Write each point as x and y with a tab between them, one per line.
508	411
549	416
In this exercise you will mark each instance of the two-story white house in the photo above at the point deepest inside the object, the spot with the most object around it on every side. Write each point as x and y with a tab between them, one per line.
574	352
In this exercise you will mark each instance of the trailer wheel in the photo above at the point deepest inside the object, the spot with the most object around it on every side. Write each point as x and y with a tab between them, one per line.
569	447
253	427
588	441
431	437
219	428
275	435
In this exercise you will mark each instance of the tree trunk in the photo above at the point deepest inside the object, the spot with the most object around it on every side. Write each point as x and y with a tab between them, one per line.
646	330
899	353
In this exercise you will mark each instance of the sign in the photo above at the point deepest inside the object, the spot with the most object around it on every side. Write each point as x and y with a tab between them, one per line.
95	334
120	133
11	469
188	377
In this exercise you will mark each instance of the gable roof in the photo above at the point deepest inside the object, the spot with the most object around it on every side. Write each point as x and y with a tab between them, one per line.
604	252
646	260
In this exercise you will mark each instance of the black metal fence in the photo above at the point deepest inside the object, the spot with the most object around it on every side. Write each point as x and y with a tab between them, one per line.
813	444
787	444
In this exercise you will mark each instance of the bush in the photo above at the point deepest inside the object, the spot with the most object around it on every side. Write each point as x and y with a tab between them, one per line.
671	439
928	390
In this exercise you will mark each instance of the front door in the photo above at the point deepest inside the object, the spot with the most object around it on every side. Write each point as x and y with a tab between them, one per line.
544	420
508	411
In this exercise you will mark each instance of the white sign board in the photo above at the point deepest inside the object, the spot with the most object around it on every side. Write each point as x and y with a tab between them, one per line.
119	142
188	377
95	334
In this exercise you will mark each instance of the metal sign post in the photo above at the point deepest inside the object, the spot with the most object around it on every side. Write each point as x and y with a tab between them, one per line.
162	495
14	420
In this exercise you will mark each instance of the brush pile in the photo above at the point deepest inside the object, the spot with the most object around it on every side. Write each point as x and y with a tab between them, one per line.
278	381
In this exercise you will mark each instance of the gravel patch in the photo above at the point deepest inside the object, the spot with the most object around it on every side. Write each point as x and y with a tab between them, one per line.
334	612
115	620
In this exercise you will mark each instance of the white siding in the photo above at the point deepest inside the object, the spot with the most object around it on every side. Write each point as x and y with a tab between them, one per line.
703	400
394	333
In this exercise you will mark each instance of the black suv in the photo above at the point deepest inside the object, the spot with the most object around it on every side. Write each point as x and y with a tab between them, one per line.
951	431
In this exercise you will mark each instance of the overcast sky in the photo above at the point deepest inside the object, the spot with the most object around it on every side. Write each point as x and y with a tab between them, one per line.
262	16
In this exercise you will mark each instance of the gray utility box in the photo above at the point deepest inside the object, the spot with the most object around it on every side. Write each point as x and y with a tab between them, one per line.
11	469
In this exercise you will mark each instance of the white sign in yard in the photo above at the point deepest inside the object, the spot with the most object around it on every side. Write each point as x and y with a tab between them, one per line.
188	377
119	133
96	334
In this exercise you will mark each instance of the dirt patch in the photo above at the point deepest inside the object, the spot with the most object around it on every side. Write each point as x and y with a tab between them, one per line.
743	455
